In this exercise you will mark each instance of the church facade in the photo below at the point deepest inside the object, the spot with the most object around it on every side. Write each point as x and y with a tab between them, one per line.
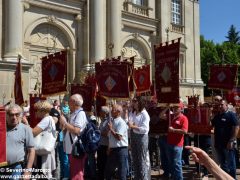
93	30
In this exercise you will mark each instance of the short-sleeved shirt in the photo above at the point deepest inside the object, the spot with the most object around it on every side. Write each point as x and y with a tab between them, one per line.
103	127
176	139
141	120
121	128
47	122
18	139
77	119
223	127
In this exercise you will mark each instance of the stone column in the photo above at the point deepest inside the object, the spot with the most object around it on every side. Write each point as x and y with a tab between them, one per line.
14	29
79	49
86	16
97	30
115	27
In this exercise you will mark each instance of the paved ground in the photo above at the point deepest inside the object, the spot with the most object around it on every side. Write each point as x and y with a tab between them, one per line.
188	173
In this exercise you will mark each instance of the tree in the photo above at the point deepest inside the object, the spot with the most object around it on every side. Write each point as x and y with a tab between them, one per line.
233	35
209	55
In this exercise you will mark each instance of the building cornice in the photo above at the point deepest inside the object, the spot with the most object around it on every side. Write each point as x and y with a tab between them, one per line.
66	8
139	22
11	66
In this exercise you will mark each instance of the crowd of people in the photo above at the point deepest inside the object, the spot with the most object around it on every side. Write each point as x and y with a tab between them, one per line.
126	144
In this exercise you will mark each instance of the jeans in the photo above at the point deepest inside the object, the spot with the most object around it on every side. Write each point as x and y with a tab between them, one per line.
64	161
227	160
175	161
163	154
117	158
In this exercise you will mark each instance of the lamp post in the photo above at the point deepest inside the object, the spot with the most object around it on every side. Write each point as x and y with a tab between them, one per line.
3	97
167	31
111	46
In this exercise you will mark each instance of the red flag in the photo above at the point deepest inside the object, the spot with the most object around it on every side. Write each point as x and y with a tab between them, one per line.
3	132
54	73
167	72
223	76
142	78
18	84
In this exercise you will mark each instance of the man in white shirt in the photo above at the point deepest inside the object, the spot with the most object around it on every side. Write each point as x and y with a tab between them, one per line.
73	128
118	145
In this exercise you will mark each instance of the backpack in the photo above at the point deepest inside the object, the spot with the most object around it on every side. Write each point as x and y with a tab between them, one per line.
90	137
88	140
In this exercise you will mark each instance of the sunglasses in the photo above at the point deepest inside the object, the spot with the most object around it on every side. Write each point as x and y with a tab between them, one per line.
14	114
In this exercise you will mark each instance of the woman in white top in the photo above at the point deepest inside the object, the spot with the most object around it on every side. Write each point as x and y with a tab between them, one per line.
45	162
139	124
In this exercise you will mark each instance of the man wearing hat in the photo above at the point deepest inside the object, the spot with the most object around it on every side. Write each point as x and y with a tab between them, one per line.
177	128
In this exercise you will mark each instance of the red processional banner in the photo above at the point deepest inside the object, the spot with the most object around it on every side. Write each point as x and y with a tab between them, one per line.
18	84
198	120
167	72
54	73
223	76
157	126
113	79
3	132
90	80
87	92
33	119
142	79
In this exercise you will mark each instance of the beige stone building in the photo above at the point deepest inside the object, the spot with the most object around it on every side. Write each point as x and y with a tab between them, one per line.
92	30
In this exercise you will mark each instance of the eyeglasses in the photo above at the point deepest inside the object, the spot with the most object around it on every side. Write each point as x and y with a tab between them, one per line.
14	114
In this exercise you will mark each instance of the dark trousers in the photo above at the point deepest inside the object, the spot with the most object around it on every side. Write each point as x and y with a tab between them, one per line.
117	158
227	160
101	161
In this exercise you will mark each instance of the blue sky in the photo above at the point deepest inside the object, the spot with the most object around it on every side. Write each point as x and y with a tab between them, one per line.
216	17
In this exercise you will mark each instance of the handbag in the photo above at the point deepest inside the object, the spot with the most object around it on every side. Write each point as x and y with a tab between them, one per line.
45	141
78	150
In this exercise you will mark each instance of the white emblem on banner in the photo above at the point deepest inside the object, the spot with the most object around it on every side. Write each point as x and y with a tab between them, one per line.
110	83
166	73
141	79
221	76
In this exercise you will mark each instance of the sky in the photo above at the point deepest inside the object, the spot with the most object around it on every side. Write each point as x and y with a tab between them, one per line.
216	17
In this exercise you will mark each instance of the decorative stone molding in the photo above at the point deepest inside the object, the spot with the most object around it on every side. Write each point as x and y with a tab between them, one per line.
78	17
26	5
136	35
51	19
56	6
65	29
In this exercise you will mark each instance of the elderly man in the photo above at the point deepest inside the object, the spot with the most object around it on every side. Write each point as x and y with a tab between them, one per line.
118	144
226	128
73	128
19	137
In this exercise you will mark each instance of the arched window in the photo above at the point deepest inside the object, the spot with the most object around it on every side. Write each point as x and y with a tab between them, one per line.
176	12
